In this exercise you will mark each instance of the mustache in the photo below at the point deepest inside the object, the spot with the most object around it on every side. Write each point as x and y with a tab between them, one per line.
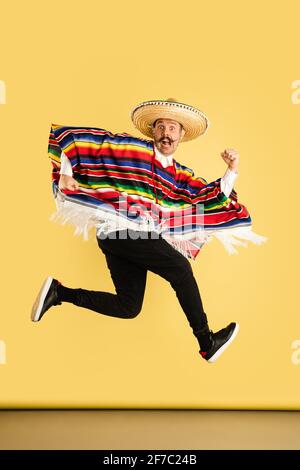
166	138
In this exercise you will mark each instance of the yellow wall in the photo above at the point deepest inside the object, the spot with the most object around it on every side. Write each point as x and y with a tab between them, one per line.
88	63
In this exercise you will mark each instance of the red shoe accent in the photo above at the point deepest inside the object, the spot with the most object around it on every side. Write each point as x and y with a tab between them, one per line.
203	354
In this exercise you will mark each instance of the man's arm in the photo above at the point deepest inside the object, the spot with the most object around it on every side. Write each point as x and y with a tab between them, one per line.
196	190
65	167
227	182
66	180
231	157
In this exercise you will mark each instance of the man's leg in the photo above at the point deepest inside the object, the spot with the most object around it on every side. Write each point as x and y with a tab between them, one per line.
129	281
176	269
159	257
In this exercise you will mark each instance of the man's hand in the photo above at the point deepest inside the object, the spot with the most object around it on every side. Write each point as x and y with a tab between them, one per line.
231	157
67	182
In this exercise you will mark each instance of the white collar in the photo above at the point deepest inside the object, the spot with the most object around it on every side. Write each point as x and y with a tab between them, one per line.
163	159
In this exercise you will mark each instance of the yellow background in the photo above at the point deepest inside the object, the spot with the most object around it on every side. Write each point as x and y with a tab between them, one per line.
88	63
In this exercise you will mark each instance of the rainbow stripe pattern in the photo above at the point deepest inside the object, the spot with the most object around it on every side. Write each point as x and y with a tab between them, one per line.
119	174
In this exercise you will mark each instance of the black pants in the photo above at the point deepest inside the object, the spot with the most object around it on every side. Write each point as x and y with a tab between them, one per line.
129	260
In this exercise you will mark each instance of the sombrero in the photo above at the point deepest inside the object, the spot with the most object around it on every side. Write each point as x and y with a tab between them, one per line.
194	122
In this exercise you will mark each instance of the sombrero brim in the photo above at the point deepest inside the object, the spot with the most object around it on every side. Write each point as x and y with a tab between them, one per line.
194	122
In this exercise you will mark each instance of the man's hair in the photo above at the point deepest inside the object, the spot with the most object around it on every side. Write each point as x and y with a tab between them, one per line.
153	125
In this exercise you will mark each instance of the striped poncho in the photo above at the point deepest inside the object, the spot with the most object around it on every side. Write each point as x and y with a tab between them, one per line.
120	181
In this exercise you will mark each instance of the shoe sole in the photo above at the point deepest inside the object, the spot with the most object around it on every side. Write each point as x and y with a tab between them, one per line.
225	346
38	304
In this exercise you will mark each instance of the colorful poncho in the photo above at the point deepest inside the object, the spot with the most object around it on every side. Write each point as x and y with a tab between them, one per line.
121	181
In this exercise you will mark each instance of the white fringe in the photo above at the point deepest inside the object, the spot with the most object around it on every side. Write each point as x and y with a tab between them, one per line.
85	218
185	247
187	243
234	236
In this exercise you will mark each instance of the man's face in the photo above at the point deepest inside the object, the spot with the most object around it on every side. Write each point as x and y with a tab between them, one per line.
166	135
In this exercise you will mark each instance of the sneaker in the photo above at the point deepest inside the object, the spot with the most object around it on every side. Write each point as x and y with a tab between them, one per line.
220	341
46	298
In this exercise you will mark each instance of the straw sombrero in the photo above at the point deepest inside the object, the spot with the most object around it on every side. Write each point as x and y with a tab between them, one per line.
194	122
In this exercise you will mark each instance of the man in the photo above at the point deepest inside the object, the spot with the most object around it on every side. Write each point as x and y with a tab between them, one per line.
110	167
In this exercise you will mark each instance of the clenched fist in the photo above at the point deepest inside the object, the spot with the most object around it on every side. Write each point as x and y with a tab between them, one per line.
67	182
231	157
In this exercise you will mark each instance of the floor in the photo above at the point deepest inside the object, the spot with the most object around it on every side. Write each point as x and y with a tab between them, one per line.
149	429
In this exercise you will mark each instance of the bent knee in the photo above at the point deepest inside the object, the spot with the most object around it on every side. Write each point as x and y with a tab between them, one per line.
132	311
